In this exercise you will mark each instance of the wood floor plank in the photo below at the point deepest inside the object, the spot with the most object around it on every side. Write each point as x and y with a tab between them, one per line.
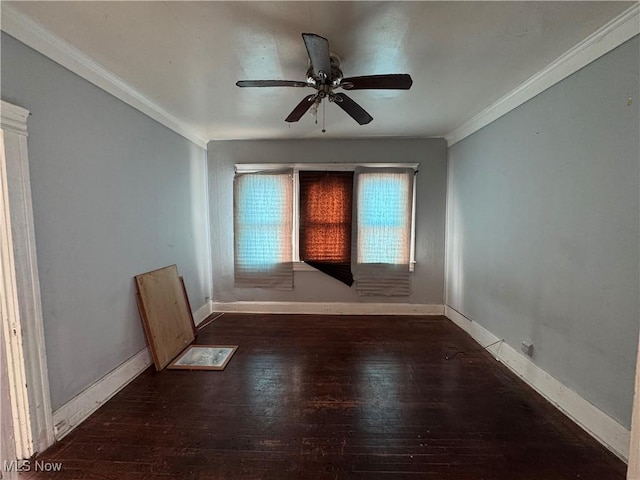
333	397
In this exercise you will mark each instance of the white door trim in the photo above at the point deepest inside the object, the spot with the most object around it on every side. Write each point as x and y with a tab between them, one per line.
21	304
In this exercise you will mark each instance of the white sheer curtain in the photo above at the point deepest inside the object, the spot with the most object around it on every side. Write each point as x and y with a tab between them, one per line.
382	227
263	228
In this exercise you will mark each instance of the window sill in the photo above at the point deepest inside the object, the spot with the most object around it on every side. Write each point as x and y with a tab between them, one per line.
303	267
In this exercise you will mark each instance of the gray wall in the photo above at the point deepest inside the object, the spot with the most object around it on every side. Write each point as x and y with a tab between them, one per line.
114	194
428	278
543	235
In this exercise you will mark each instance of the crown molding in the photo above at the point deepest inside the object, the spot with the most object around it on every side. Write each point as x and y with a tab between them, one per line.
613	34
610	36
40	39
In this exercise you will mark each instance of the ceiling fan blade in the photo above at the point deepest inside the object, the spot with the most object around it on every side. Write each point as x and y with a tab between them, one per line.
318	50
271	83
400	81
301	108
354	110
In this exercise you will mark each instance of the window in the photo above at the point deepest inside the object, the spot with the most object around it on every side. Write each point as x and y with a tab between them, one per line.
325	200
324	233
384	200
384	217
262	225
330	209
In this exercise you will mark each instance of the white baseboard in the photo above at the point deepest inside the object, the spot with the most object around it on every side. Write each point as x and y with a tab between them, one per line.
76	410
202	313
329	308
594	421
72	413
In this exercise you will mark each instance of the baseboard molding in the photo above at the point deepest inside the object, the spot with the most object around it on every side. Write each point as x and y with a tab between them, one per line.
329	308
72	413
202	313
594	421
610	36
76	410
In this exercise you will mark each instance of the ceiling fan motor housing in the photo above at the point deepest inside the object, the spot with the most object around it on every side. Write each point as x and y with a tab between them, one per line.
335	75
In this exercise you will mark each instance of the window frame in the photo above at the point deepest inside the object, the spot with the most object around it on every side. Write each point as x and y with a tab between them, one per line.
298	265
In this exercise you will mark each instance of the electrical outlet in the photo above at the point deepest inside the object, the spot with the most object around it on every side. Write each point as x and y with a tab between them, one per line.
527	348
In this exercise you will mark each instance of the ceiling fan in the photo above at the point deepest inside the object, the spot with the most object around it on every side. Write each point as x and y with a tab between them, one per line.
325	75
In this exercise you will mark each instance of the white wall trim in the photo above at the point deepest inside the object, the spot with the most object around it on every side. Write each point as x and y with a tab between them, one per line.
76	410
594	421
37	37
335	166
610	36
14	118
25	344
11	325
329	308
202	313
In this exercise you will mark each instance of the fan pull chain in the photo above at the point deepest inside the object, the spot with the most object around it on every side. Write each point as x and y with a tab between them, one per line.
323	110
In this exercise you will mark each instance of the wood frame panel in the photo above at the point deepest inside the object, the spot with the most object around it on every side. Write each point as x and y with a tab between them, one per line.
165	313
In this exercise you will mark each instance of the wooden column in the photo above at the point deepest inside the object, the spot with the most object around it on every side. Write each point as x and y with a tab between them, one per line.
23	331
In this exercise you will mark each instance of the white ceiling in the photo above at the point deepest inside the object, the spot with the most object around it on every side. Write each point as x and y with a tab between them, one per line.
186	57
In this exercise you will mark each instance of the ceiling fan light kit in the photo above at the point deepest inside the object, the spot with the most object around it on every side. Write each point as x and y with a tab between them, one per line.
324	75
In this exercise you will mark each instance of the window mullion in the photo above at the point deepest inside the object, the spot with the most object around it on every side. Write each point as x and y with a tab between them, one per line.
412	247
296	216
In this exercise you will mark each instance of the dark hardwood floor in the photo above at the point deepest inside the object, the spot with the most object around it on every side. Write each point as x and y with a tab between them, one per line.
333	397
